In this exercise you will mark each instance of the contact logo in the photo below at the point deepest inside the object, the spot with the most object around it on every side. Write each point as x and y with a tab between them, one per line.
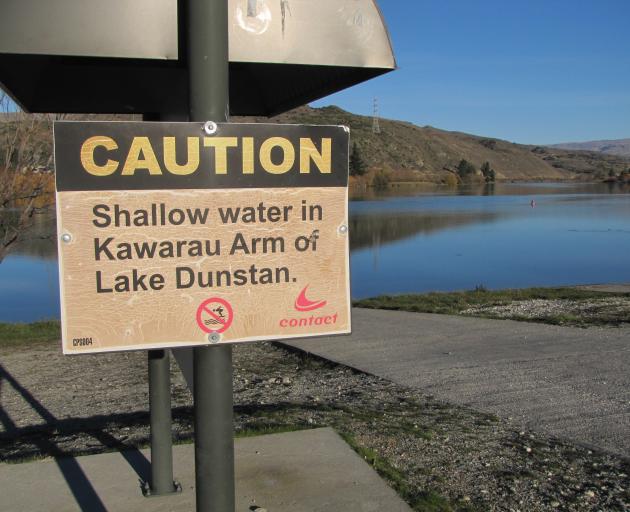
304	304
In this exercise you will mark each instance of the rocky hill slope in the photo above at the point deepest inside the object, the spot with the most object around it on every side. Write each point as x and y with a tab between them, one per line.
407	151
431	154
619	147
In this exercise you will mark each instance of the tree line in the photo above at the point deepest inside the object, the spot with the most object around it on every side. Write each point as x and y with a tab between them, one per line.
466	169
24	191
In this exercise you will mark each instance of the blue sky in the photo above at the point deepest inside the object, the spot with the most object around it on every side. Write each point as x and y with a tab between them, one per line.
529	71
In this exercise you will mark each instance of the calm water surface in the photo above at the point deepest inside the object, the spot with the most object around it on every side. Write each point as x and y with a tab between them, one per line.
420	242
427	239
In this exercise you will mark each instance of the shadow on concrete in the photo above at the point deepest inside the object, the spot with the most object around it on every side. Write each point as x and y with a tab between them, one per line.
82	489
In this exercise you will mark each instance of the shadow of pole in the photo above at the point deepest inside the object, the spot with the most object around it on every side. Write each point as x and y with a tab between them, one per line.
82	489
134	457
5	419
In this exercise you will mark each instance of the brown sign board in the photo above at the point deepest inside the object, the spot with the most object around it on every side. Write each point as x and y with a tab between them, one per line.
172	235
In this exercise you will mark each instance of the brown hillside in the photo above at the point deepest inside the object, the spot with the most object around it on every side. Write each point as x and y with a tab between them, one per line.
416	153
619	147
431	154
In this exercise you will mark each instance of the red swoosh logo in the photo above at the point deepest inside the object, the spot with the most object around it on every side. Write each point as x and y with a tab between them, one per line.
303	304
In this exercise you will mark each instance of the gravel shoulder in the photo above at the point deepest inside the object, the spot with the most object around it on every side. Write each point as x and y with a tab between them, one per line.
438	456
578	306
606	311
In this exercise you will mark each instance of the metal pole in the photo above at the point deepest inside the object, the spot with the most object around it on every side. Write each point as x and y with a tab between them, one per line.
214	436
208	60
161	480
207	24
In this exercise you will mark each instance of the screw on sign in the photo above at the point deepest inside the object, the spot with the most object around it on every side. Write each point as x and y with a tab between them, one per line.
214	315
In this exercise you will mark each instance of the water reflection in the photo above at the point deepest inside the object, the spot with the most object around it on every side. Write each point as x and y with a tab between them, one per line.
374	230
508	189
29	282
416	239
419	241
39	242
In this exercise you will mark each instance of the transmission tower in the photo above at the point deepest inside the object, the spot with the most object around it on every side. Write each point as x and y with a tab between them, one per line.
376	128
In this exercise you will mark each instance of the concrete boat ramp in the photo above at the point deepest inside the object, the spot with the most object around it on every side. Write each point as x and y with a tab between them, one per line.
566	381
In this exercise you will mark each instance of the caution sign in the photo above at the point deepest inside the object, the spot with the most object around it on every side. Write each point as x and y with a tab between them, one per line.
173	235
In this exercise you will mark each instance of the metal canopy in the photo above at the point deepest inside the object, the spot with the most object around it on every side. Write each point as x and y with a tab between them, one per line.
80	56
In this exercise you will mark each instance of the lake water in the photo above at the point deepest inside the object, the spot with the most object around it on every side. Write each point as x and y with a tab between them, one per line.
422	239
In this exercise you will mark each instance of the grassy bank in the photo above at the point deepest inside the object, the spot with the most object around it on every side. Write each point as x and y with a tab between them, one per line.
35	332
560	306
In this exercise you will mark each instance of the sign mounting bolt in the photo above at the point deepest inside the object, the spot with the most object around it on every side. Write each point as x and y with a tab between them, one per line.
215	337
210	127
343	229
66	238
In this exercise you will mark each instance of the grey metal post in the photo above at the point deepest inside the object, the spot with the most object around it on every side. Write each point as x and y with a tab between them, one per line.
161	479
207	38
214	436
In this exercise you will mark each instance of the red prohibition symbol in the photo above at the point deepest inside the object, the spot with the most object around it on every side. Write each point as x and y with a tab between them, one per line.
214	315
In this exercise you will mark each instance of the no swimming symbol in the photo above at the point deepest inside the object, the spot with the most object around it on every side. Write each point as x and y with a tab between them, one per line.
214	315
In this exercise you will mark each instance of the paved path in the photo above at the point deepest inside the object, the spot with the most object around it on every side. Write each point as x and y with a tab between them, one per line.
308	471
569	382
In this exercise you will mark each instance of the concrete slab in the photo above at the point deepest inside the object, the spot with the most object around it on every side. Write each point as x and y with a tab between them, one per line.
569	382
310	471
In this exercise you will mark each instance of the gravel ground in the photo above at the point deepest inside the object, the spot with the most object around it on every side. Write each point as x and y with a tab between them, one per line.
438	456
604	311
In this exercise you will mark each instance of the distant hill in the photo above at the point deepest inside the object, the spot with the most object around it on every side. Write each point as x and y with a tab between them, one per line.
429	154
406	151
619	147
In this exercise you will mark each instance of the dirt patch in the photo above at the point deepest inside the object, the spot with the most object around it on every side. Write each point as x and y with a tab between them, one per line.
436	455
